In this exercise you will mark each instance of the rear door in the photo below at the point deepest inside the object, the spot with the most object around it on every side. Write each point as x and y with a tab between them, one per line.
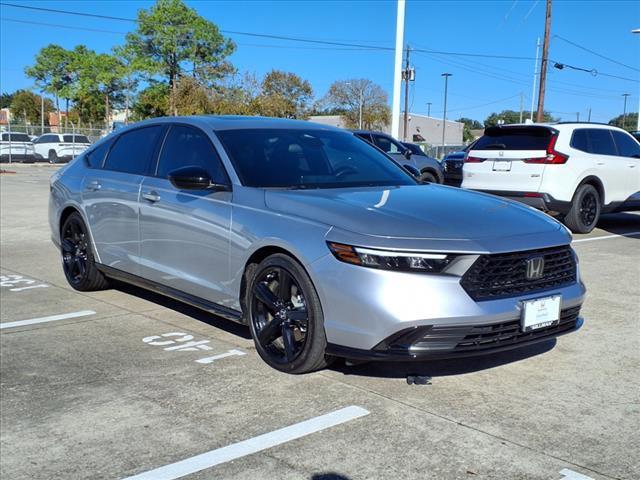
185	233
110	195
508	159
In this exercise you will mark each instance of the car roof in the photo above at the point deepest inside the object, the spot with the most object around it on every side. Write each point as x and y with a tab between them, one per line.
560	125
369	131
233	122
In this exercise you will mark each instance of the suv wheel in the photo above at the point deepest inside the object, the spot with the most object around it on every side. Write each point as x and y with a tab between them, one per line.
77	258
53	156
428	177
585	210
285	316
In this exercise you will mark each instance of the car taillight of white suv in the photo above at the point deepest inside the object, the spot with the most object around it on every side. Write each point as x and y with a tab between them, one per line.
573	171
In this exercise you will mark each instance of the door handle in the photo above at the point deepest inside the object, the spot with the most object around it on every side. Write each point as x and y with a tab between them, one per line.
93	185
151	196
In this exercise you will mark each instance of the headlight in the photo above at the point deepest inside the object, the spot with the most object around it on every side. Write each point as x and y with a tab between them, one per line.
391	260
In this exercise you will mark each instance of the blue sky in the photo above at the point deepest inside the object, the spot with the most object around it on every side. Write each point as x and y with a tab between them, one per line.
478	87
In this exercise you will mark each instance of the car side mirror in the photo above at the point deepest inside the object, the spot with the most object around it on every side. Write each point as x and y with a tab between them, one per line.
194	178
407	154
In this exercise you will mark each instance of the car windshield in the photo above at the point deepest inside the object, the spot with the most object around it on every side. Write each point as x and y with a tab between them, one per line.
79	139
15	137
514	138
292	158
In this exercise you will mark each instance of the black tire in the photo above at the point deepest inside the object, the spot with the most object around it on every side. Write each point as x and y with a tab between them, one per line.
585	210
53	156
428	177
78	262
285	316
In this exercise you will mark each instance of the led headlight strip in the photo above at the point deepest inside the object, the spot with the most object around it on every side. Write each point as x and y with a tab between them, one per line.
391	260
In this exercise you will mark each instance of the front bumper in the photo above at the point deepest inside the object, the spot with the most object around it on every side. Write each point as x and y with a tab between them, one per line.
435	342
541	201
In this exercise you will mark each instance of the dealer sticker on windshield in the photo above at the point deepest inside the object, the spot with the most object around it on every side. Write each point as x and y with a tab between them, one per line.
540	313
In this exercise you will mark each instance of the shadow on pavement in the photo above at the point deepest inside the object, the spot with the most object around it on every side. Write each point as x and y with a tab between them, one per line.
620	223
328	476
195	313
442	368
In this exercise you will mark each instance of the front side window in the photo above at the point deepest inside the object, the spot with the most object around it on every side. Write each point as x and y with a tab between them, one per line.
133	150
627	146
279	158
386	144
78	139
601	142
188	147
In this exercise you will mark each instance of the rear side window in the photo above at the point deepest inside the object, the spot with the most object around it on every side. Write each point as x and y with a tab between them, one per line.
627	146
509	138
580	140
133	151
187	146
78	139
95	157
601	142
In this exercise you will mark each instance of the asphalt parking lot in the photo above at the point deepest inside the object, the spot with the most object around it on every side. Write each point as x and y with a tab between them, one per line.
124	383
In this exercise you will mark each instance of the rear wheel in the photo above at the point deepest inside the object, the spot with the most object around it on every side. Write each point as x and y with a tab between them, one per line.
285	316
53	156
77	257
585	210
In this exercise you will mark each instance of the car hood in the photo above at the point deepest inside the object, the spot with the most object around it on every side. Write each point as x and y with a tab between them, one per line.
420	212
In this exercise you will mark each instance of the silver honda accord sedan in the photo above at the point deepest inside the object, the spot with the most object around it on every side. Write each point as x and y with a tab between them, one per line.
318	241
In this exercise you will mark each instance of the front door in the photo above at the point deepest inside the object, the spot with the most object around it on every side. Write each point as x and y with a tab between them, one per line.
185	233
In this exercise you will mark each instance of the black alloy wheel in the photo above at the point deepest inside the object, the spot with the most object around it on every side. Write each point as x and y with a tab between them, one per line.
585	210
285	316
588	209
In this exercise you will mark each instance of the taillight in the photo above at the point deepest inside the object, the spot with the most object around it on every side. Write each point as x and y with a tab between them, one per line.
473	160
553	157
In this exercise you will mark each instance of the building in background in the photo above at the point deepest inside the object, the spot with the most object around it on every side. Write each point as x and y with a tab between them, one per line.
420	128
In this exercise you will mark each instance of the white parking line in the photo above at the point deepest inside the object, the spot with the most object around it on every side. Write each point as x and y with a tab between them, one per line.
52	318
230	353
604	237
571	475
252	445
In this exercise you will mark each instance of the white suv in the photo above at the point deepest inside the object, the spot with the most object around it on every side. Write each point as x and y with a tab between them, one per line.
574	171
60	147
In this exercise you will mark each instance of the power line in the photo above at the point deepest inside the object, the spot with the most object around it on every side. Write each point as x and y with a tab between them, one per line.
596	53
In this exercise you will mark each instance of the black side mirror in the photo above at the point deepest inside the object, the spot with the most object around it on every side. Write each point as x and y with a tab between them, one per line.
194	178
407	154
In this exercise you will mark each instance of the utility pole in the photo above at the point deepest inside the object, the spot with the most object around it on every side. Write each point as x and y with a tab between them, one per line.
406	75
429	109
577	116
41	113
397	70
535	77
589	116
521	106
444	116
624	112
361	106
543	66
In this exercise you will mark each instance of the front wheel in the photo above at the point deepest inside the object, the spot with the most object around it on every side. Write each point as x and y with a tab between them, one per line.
585	210
428	177
285	316
53	156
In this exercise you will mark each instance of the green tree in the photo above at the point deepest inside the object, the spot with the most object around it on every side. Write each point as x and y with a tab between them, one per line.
131	68
511	116
192	98
352	96
469	124
237	95
26	106
172	37
284	94
51	71
152	102
630	122
6	99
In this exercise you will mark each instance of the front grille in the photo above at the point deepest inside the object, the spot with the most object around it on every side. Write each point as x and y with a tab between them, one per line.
504	275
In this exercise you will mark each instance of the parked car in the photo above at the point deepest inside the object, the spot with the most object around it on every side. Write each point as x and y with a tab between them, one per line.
574	171
429	168
16	147
60	147
314	239
452	165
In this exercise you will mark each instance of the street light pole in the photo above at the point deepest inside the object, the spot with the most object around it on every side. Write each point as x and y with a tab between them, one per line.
637	30
428	109
361	105
444	116
624	111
